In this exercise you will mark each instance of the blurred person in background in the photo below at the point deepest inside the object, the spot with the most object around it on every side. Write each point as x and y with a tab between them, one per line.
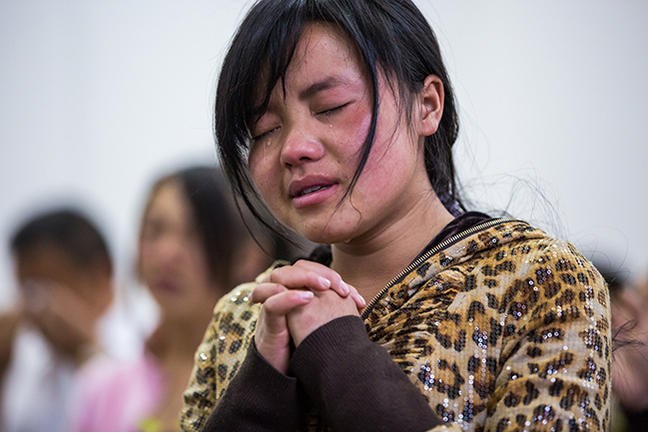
629	308
65	277
193	248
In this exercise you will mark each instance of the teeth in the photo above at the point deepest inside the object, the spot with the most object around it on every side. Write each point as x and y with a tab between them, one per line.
312	189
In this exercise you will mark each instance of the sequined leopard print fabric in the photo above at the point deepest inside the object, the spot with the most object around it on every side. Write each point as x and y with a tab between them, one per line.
505	330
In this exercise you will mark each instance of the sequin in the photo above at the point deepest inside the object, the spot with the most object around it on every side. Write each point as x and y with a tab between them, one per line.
527	333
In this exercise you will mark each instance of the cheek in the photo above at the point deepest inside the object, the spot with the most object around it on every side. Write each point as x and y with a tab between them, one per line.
352	130
392	162
255	164
262	170
147	263
198	262
146	255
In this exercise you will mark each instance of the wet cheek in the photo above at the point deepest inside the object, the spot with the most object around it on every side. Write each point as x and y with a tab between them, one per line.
254	159
262	175
257	164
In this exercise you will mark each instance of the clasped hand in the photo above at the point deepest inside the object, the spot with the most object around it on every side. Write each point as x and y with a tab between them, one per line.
297	300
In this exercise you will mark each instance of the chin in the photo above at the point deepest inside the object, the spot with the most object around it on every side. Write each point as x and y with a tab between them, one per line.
329	230
326	236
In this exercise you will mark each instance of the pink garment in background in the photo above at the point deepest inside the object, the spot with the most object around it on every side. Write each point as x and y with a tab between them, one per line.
118	396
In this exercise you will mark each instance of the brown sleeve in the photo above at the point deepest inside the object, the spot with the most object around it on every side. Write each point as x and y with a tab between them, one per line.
259	398
355	385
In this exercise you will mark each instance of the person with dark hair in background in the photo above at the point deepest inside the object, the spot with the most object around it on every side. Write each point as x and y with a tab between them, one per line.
340	115
188	250
65	279
628	304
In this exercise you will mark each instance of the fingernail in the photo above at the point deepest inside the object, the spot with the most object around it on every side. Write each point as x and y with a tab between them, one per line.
362	299
324	282
307	294
345	288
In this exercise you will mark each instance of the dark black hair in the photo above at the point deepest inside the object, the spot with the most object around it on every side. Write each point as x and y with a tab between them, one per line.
68	229
392	37
216	221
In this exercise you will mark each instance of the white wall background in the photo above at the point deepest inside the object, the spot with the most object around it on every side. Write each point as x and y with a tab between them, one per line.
97	97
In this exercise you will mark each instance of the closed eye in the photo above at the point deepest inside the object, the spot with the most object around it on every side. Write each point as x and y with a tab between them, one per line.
264	134
331	110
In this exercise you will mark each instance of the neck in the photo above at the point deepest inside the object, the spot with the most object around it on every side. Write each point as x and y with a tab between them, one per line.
370	263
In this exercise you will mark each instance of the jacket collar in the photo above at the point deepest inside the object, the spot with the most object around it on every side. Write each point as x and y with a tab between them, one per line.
453	250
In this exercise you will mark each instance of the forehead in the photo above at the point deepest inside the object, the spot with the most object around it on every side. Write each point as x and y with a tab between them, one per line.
169	203
46	261
323	39
321	48
167	194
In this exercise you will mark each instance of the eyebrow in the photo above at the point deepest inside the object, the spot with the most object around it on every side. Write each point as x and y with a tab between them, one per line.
319	86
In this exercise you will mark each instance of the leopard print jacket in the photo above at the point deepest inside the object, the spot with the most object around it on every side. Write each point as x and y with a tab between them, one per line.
503	329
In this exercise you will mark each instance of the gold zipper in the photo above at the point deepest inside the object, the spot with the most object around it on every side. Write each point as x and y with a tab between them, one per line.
443	245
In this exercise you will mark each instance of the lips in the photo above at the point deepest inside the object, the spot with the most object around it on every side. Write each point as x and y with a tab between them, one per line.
311	190
166	285
309	185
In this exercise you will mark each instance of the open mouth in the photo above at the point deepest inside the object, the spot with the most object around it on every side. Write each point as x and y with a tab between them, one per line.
312	189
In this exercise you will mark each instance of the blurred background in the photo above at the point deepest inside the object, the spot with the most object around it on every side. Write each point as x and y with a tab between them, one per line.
97	98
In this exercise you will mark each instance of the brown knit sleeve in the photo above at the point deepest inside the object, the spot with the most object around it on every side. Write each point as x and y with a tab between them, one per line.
259	398
355	385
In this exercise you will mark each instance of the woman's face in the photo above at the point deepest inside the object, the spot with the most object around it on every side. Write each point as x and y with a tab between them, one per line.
306	147
172	259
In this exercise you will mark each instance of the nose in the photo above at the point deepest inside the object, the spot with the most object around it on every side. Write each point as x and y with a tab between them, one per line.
300	146
169	249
